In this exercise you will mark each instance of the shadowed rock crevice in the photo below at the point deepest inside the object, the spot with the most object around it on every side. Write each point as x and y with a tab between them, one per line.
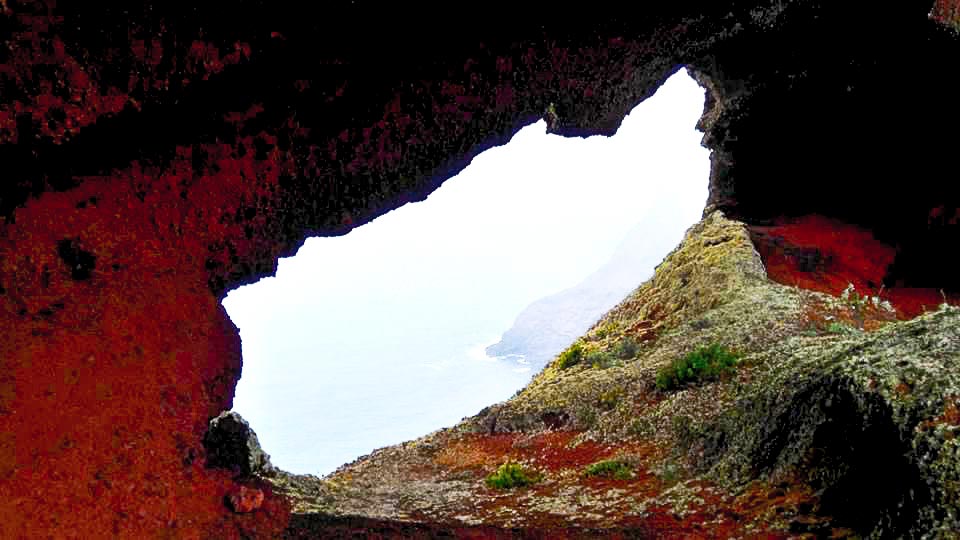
80	262
843	421
822	125
859	465
848	450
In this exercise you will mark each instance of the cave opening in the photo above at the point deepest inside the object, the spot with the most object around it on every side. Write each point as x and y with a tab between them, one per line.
378	336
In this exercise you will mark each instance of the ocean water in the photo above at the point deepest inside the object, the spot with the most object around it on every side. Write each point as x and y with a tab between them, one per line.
391	395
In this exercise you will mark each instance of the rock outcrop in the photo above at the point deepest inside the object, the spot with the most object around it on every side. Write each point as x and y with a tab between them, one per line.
231	444
155	157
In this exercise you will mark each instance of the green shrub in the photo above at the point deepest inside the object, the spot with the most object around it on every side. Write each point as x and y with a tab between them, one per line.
809	332
668	473
599	359
705	363
627	348
641	427
610	468
610	398
606	330
570	357
586	417
511	475
838	328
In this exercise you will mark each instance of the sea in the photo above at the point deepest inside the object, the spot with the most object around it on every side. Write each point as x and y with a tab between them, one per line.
341	401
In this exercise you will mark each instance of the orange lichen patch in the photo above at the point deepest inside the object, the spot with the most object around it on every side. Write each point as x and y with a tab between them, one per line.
822	254
552	451
712	513
950	415
817	315
639	505
645	330
549	451
762	501
946	12
473	452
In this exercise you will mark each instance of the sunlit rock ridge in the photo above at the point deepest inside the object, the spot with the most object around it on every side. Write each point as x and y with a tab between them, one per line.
156	157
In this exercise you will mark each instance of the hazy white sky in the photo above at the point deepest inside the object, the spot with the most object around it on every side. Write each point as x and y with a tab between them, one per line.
520	222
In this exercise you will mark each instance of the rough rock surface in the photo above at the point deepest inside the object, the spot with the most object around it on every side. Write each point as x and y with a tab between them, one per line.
243	499
155	157
232	444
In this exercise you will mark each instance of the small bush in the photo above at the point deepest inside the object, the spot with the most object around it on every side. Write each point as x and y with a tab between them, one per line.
641	427
610	468
606	330
599	359
669	473
809	332
838	328
512	475
706	363
627	348
570	357
586	417
610	398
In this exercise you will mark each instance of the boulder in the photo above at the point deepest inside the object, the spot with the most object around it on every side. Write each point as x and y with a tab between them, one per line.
232	444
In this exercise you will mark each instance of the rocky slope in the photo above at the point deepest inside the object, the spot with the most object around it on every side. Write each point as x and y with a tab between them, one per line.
840	420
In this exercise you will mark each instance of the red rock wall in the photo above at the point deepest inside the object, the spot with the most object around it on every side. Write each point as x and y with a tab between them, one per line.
111	371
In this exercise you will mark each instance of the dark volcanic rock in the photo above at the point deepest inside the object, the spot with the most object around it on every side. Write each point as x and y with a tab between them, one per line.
232	444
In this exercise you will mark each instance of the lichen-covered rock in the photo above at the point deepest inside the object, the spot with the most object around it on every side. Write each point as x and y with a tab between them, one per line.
232	444
711	288
866	420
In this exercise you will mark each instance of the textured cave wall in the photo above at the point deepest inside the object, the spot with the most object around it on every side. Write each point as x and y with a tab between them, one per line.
850	118
155	157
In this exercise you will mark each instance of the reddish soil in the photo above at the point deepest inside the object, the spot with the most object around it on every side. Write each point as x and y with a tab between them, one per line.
721	515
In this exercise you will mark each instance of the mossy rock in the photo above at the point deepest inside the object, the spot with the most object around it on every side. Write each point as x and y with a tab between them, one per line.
861	420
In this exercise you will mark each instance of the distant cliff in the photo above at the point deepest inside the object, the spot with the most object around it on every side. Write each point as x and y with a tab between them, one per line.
549	325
